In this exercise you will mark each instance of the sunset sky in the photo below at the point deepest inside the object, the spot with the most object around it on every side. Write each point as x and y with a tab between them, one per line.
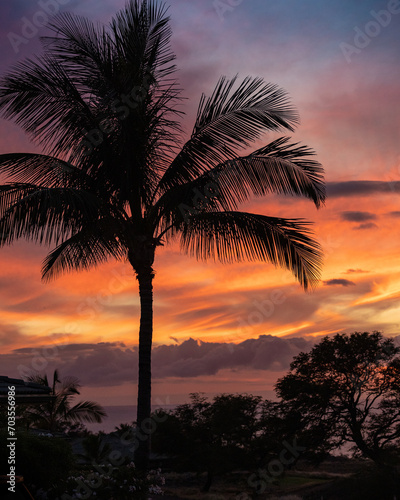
234	328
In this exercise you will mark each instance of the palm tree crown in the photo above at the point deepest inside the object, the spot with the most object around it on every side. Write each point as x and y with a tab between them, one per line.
115	180
60	413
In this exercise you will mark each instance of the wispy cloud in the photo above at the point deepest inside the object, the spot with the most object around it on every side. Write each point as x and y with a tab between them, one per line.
362	188
357	216
338	281
367	225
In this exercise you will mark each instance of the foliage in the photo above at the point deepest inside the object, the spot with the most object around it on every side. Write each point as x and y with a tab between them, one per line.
21	420
123	194
102	103
59	414
346	390
125	429
122	483
42	461
95	449
370	483
215	436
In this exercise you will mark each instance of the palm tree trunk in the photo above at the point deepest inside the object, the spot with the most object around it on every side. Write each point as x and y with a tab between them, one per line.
142	453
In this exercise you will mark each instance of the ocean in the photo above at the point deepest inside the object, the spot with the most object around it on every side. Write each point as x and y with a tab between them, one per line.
116	415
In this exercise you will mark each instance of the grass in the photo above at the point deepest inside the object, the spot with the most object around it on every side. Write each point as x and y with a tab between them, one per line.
235	486
295	481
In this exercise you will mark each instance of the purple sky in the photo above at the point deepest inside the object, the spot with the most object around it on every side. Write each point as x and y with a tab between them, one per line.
340	63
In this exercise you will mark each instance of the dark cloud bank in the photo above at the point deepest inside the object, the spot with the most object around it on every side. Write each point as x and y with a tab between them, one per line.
357	216
361	188
338	281
109	364
363	217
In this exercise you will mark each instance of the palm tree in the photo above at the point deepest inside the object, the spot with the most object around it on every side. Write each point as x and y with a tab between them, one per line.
115	181
59	414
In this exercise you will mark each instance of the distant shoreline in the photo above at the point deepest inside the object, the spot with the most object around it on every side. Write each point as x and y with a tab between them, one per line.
119	414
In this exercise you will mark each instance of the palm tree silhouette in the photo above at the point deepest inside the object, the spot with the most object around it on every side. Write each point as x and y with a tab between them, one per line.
59	413
115	180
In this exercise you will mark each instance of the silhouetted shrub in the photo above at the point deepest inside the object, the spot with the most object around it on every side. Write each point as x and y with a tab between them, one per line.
42	461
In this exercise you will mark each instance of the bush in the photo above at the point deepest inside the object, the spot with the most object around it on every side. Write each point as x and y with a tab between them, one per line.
42	461
106	482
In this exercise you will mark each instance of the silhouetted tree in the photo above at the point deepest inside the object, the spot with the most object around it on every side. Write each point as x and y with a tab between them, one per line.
124	429
213	437
95	449
346	390
112	183
60	414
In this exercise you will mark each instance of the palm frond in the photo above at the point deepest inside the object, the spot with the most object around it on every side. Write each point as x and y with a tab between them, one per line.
129	185
10	194
69	386
58	413
142	35
91	246
79	43
236	118
41	96
56	380
38	378
46	215
86	411
227	122
279	167
47	171
238	236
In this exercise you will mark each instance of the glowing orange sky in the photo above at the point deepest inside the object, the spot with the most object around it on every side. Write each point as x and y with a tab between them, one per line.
350	116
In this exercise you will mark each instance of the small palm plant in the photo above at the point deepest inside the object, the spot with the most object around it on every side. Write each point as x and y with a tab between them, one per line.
60	414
